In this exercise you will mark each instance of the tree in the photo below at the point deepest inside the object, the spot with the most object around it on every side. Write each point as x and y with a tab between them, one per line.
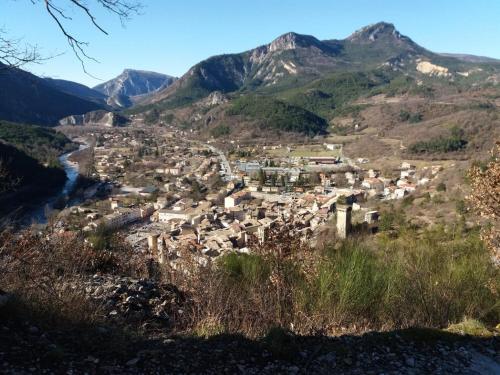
14	53
152	117
314	178
485	199
274	179
262	177
283	179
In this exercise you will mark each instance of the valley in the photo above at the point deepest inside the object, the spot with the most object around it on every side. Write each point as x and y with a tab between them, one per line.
293	201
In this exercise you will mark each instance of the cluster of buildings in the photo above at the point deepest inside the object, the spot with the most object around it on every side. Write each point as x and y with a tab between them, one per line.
211	228
250	198
395	188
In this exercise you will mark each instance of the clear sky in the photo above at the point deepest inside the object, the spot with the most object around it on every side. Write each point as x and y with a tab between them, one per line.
172	35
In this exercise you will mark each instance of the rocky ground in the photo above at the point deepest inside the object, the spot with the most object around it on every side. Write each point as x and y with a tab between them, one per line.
27	348
134	300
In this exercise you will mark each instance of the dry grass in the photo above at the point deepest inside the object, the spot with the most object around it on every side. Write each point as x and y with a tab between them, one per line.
41	273
428	279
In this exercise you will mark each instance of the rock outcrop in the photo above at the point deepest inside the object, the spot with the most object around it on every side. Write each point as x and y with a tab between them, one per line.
95	118
426	67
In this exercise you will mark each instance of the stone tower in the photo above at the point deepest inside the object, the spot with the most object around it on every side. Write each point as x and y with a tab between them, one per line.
153	243
343	220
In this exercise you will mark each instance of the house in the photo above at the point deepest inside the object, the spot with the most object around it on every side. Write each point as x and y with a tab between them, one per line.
122	217
409	187
147	210
389	192
161	202
371	217
323	160
373	184
115	204
253	186
236	198
399	193
165	215
350	177
175	171
147	191
333	146
405	165
408	173
423	181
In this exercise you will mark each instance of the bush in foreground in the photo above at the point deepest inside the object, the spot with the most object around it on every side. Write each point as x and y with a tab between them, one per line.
429	279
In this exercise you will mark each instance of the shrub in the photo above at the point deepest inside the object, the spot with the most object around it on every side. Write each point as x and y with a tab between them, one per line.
407	201
245	268
485	181
348	284
461	207
470	327
220	130
454	142
441	187
152	116
406	116
391	220
432	277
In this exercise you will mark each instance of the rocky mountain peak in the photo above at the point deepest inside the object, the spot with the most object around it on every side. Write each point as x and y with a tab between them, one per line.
291	41
375	31
133	83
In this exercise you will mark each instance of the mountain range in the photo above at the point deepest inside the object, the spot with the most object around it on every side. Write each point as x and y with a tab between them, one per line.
293	60
300	74
26	98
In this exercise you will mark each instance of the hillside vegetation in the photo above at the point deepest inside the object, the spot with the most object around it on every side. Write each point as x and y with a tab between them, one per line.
277	115
326	95
24	180
41	143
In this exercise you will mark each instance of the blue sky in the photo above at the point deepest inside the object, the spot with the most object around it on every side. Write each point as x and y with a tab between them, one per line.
172	35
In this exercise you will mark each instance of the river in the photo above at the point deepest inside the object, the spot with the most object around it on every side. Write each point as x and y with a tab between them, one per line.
39	214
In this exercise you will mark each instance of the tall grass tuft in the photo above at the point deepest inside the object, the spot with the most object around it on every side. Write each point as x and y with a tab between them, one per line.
432	278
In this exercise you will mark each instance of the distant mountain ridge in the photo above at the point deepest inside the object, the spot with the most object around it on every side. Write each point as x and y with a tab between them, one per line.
27	98
471	58
132	85
77	89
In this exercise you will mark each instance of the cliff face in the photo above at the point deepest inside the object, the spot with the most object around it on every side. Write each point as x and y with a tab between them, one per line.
96	118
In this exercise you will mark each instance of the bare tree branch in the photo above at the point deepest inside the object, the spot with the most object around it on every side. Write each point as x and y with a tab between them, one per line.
14	54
